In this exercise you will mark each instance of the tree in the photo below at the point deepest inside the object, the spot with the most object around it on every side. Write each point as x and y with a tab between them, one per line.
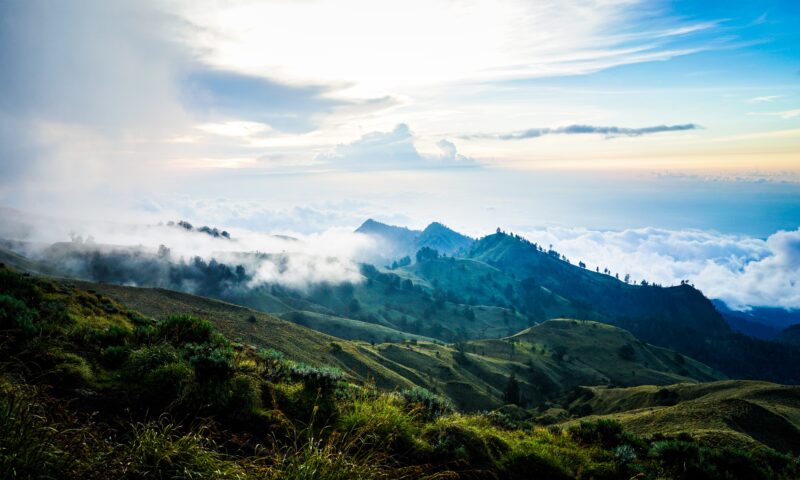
512	390
427	253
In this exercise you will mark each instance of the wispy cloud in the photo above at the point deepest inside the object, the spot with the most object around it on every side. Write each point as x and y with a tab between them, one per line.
608	132
764	99
785	114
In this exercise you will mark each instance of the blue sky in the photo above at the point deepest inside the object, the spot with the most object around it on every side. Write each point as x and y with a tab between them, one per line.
671	103
306	116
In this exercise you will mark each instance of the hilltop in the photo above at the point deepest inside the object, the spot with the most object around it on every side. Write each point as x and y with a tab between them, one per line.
402	242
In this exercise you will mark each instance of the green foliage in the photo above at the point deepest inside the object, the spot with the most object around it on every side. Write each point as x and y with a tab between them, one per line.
167	382
603	432
379	421
245	396
14	314
143	360
182	329
28	447
315	377
426	403
212	363
159	451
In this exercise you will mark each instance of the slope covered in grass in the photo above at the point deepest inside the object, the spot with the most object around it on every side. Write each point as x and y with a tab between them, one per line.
91	389
721	413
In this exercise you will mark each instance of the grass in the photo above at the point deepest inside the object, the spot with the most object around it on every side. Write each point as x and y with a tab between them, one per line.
176	408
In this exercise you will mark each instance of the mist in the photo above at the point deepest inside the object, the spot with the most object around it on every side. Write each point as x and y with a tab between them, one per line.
193	258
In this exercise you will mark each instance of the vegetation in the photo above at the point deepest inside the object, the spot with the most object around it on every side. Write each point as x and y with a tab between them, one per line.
177	399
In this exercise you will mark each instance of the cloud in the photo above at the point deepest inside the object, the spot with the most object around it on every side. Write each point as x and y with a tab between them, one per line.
129	253
785	114
742	271
285	107
608	132
392	150
764	99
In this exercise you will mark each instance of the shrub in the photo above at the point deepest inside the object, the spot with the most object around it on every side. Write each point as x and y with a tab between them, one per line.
115	355
607	433
145	359
323	378
14	314
19	287
159	451
328	460
27	443
426	403
379	421
625	454
182	329
72	370
211	363
245	395
167	382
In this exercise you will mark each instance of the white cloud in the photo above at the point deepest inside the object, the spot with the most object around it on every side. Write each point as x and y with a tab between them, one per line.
742	271
764	99
371	46
785	114
391	150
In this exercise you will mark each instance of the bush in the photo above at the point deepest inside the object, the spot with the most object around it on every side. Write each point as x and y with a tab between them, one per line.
159	451
115	355
245	396
428	404
606	433
328	460
211	363
145	359
14	314
27	443
379	421
183	329
323	378
72	371
167	382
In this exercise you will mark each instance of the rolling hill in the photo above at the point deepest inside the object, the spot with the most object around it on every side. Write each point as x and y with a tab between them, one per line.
720	413
547	359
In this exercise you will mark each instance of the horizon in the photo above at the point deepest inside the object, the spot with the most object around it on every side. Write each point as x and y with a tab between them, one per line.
658	138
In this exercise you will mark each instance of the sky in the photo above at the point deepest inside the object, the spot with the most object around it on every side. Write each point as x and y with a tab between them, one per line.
300	117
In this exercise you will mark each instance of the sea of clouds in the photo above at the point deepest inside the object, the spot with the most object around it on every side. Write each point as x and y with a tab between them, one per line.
740	270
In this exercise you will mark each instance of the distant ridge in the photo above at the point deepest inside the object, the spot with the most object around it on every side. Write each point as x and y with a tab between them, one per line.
402	241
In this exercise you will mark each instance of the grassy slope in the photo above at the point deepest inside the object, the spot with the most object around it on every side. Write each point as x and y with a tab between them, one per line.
725	413
476	384
349	329
235	322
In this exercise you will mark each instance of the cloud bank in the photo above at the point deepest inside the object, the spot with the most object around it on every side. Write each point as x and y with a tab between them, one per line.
607	132
742	271
392	150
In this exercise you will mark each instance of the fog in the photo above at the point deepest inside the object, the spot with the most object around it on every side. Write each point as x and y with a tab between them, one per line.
169	255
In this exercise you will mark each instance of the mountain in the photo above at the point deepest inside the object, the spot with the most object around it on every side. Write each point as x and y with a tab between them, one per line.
400	241
747	323
548	359
94	389
790	336
680	318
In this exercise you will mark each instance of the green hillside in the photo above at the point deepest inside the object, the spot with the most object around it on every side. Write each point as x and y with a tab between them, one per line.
719	413
91	389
